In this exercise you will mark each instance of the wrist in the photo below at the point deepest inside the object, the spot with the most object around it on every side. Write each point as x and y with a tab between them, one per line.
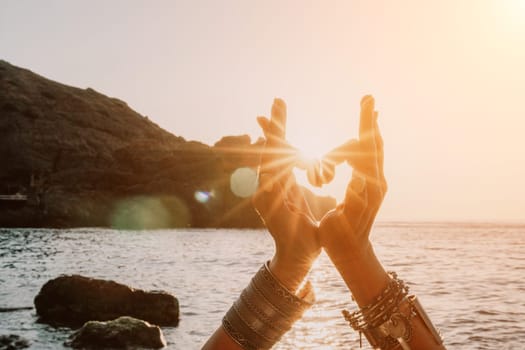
363	274
290	275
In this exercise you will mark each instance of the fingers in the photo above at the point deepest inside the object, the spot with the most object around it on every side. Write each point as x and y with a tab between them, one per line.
366	162
265	160
369	158
264	123
366	122
378	137
276	151
275	132
360	154
356	199
323	172
276	127
278	121
313	174
363	203
268	198
277	207
277	161
346	152
376	187
380	153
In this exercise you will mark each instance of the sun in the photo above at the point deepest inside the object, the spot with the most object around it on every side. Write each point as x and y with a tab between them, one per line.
309	156
309	149
305	160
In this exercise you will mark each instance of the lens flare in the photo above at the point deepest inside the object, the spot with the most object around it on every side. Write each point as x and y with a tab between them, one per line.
243	182
203	196
150	212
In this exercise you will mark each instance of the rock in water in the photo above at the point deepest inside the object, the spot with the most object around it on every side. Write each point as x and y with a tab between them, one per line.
12	342
124	332
73	300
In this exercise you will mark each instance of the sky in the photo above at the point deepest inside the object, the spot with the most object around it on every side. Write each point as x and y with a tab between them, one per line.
448	77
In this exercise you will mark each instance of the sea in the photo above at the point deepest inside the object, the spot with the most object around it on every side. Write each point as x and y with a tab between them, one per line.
470	277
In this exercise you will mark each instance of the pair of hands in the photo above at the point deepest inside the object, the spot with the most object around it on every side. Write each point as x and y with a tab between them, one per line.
344	231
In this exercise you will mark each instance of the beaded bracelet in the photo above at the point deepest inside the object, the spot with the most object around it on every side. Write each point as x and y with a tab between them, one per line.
375	320
265	311
383	323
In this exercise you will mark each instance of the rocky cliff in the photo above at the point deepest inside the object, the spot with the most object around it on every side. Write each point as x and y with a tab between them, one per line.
85	159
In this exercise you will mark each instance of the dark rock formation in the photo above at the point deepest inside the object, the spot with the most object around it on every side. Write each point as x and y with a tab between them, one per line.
122	333
74	300
13	342
85	159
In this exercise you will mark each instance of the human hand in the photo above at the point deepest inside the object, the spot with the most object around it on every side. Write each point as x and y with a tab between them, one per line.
282	206
344	231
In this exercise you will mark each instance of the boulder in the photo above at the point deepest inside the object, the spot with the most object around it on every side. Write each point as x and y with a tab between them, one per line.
72	300
124	332
13	342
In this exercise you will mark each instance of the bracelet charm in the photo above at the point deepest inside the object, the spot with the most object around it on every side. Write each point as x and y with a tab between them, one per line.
387	321
398	326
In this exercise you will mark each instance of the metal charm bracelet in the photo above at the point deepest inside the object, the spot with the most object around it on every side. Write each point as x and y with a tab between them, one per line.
387	322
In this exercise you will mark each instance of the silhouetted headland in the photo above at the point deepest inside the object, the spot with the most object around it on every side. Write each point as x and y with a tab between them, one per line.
74	157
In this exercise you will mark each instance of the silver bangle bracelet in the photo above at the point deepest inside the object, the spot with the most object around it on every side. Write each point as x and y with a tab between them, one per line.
264	312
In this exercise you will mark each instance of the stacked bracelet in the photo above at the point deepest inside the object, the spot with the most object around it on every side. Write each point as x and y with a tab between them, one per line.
383	322
382	317
264	312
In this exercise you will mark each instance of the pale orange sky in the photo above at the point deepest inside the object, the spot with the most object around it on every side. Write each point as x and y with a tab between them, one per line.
448	77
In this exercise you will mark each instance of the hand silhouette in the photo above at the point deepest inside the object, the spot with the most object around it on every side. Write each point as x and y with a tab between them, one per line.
344	231
281	204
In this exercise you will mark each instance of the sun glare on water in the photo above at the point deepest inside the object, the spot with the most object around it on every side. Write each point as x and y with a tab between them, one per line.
321	324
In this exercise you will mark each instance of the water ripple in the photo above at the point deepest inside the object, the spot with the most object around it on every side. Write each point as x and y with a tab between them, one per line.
468	277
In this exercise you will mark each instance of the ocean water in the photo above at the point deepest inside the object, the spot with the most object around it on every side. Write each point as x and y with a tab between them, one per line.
469	277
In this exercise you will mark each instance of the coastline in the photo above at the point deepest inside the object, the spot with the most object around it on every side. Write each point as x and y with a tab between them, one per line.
81	158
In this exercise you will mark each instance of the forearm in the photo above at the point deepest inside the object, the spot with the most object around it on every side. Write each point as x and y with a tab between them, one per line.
291	277
221	340
364	275
367	279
